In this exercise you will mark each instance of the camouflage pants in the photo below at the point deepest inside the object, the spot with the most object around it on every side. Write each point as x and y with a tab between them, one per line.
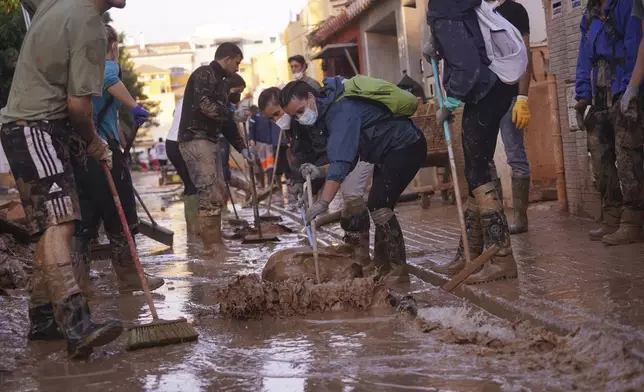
629	151
601	144
205	169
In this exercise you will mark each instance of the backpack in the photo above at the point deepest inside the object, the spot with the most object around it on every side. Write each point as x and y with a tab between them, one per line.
503	43
400	102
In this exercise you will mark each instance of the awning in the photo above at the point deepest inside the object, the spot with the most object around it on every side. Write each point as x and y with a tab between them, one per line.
339	50
337	23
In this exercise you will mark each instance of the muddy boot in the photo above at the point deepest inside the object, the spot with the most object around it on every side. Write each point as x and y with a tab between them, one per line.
390	247
75	319
520	195
495	231
42	323
610	223
190	207
80	261
474	239
360	243
630	229
210	228
127	276
259	177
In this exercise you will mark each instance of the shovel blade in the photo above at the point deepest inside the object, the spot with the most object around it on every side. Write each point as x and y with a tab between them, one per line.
270	218
156	232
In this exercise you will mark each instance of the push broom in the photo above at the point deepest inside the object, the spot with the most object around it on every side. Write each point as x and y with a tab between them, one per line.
158	332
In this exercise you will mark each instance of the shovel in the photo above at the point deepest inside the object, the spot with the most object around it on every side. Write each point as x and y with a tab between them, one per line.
268	217
151	229
255	238
235	221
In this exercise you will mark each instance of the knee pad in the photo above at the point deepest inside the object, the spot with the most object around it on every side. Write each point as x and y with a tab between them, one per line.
382	216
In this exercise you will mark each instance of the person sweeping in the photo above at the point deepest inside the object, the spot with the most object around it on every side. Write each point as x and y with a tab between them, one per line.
47	131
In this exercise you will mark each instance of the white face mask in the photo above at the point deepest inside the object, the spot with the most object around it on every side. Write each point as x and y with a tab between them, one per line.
284	122
298	75
308	117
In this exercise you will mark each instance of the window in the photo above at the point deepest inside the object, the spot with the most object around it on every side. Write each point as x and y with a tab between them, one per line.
198	46
158	77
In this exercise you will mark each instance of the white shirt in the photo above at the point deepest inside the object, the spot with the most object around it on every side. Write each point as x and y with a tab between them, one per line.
173	133
159	151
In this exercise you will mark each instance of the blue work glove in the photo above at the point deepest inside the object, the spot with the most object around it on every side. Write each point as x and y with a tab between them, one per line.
629	95
445	112
319	207
139	114
248	156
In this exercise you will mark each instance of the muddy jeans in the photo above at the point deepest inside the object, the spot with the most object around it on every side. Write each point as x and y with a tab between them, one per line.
172	148
353	186
629	151
481	121
206	172
514	146
601	144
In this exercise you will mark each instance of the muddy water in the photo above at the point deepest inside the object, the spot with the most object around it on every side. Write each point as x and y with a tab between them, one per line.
452	348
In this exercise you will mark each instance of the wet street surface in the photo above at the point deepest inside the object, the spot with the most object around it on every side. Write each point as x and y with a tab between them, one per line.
451	345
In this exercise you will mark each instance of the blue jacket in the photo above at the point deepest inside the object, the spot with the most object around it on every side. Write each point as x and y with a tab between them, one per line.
358	128
275	135
619	49
260	129
466	75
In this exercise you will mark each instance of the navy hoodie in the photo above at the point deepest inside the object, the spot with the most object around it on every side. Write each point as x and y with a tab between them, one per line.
466	75
358	128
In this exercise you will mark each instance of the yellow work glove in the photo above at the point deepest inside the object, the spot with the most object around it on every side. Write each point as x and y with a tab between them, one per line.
521	112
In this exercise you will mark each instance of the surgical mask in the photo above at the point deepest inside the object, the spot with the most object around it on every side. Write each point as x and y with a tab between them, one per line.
284	122
308	117
298	75
234	98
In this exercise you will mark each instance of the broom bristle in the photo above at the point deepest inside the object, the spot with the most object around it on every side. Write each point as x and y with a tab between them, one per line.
160	333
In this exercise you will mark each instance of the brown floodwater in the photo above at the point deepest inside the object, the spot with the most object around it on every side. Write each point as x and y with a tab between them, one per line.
449	347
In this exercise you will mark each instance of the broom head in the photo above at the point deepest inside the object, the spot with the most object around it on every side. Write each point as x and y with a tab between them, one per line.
160	333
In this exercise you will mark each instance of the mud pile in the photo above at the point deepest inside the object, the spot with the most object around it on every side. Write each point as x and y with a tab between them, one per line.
586	360
250	297
15	263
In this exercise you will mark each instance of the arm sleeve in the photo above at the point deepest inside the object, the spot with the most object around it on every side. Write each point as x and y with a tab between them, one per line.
212	103
632	38
87	48
464	61
523	21
583	89
111	75
342	145
231	133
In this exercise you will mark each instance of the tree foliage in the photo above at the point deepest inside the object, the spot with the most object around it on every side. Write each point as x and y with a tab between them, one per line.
12	32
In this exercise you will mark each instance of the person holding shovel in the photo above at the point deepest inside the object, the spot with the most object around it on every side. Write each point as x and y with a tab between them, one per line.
309	145
361	129
205	116
47	130
455	36
96	201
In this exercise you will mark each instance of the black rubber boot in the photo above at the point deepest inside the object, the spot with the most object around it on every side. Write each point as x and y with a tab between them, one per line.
80	262
520	196
355	222
43	325
73	315
389	249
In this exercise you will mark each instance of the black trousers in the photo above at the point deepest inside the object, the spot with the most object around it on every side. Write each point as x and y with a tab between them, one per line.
394	173
174	155
96	200
283	166
481	123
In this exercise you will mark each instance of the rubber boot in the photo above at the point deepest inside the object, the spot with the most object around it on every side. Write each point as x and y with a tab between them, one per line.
269	177
495	231
611	217
520	195
360	243
390	247
259	177
127	276
630	229
190	207
210	228
75	319
474	239
80	262
42	323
